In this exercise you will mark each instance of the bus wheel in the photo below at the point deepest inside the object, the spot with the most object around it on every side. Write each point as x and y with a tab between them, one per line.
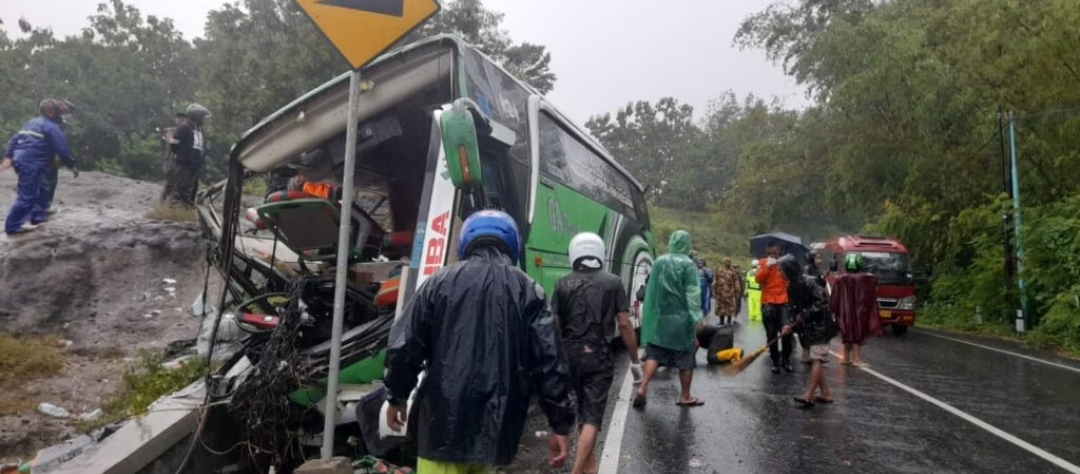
899	330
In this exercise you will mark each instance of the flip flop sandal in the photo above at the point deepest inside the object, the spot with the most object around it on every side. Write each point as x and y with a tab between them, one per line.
694	402
823	400
804	403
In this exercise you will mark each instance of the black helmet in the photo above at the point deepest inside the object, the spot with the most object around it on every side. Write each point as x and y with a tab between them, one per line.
53	109
197	113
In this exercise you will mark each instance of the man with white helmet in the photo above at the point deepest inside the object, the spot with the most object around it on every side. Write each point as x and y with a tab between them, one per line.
753	293
587	303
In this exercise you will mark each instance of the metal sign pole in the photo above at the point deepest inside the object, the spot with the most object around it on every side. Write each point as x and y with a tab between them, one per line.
330	417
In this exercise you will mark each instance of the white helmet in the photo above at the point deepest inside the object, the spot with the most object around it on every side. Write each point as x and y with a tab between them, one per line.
589	246
753	263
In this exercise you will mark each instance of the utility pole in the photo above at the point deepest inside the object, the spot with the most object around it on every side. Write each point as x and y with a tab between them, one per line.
1022	314
1007	262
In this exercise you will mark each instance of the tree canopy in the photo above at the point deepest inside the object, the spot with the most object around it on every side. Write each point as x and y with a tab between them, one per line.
129	73
902	138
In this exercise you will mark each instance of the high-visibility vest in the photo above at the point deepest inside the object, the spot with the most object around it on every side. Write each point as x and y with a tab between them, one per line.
751	283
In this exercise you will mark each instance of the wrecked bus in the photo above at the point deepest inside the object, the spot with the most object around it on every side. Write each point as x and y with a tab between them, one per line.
443	131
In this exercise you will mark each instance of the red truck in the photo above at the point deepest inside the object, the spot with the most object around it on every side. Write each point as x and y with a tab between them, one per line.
888	260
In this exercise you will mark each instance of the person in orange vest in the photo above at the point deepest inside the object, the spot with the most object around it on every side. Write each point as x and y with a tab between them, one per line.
774	313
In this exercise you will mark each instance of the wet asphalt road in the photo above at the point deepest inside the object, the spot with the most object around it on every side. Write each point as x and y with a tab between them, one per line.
749	423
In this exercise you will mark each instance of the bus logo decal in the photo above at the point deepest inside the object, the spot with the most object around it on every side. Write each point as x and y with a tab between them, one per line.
436	245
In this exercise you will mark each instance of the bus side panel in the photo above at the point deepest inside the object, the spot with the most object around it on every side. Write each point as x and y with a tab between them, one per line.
435	223
561	213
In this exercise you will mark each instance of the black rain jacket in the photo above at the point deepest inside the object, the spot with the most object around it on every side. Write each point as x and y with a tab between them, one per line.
483	332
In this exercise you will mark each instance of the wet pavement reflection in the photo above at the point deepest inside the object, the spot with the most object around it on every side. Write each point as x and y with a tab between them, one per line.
750	423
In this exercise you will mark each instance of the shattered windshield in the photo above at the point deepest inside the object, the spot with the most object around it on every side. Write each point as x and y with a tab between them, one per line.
891	268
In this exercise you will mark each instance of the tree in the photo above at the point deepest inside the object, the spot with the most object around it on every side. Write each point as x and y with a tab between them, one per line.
481	27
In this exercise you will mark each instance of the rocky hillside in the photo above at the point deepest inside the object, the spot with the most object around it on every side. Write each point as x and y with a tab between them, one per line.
102	280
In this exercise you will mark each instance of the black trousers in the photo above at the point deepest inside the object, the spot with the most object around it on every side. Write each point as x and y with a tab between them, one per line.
775	316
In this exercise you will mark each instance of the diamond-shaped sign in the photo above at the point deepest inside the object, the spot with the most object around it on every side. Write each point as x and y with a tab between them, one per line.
361	30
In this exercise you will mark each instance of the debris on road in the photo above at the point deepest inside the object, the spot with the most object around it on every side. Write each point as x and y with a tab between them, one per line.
94	415
53	410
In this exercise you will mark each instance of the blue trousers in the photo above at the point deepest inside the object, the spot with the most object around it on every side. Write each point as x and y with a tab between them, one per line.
49	179
33	198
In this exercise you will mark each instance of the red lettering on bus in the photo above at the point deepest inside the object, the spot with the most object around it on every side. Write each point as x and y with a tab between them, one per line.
436	245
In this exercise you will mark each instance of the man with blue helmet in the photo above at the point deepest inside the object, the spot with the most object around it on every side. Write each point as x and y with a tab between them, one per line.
482	331
31	152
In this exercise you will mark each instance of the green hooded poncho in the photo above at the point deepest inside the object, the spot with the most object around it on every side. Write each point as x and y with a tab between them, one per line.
672	306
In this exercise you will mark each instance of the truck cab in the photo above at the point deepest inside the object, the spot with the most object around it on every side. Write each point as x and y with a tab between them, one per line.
888	260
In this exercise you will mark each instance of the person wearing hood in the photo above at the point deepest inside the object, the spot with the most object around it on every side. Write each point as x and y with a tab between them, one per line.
753	293
186	157
31	152
812	270
482	331
587	303
854	302
671	318
810	309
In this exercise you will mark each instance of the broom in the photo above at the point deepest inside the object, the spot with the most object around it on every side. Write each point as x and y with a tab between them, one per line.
745	362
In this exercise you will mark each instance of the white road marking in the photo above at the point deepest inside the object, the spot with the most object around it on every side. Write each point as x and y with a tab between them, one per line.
1022	356
609	460
975	421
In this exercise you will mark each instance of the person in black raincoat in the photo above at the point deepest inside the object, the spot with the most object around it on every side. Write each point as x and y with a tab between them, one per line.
587	303
483	332
810	307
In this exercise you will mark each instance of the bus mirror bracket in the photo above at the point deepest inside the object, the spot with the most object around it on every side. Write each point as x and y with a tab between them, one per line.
459	137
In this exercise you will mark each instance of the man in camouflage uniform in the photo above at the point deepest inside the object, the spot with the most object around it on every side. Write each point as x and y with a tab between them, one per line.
727	289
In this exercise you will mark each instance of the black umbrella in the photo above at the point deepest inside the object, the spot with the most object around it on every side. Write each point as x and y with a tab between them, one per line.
789	244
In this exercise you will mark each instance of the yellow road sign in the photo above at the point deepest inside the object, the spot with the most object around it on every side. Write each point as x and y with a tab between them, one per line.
361	30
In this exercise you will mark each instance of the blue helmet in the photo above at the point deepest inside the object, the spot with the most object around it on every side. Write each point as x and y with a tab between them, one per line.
495	227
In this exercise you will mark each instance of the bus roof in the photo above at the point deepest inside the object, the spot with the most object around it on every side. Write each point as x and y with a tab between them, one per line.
287	115
864	243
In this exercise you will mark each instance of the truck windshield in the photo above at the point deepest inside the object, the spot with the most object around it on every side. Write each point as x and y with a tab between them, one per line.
891	268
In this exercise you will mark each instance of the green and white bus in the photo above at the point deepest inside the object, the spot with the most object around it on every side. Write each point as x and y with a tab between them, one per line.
508	148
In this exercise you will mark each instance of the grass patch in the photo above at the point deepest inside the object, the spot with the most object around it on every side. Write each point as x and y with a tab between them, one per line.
963	321
23	359
172	213
145	381
711	238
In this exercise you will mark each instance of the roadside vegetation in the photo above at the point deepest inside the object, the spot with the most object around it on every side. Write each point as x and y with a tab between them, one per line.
24	359
145	381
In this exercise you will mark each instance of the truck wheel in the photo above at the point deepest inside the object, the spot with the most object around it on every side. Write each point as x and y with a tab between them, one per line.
899	330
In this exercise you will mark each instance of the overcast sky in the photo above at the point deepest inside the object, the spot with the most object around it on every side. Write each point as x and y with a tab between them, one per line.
605	52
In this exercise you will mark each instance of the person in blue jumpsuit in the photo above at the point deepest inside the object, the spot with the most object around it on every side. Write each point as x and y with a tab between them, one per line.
31	152
706	276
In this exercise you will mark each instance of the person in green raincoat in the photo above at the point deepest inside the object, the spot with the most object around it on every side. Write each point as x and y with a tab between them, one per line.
671	317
